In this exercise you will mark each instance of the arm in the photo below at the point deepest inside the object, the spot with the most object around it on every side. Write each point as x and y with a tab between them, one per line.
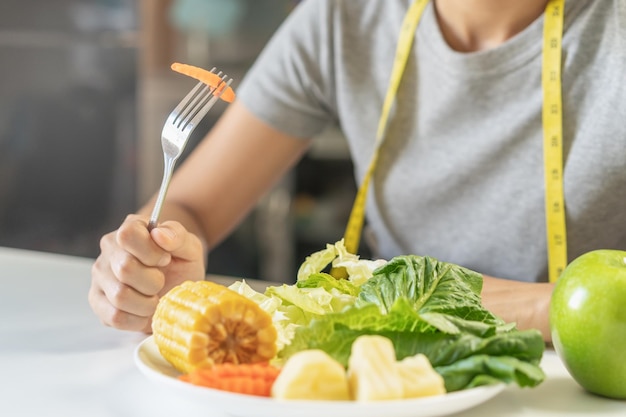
216	187
237	163
524	303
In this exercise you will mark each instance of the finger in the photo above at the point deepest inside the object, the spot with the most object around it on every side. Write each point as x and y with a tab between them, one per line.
129	271
112	316
133	236
119	294
116	262
175	239
129	300
116	318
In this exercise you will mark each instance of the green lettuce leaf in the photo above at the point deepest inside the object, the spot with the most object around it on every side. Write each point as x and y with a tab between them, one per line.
443	294
330	284
450	354
359	270
291	306
421	304
484	369
430	307
316	262
285	319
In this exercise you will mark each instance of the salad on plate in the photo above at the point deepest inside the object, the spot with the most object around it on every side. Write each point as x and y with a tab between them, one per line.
408	327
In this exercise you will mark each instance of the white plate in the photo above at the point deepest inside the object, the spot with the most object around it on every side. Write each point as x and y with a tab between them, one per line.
154	366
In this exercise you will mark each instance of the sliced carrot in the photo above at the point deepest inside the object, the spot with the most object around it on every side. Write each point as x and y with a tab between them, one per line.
252	379
207	77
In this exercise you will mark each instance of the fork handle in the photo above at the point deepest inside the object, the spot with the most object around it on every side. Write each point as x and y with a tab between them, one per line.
152	224
168	169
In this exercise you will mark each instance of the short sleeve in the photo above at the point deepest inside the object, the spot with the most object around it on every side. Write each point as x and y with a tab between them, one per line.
291	84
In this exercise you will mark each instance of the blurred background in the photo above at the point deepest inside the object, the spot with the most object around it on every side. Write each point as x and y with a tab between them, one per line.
85	87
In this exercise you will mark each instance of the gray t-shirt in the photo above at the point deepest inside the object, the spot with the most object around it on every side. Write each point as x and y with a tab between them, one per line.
460	176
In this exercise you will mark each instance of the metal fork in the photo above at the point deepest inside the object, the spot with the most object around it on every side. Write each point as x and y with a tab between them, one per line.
177	130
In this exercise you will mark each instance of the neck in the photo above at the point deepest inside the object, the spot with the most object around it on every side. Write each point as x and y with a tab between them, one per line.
475	25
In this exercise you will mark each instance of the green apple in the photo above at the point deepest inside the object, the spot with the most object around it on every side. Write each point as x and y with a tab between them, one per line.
588	321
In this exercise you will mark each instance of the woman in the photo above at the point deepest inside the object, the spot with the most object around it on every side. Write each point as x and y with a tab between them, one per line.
460	175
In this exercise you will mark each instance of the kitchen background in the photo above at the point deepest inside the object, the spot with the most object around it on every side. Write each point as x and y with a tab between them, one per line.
85	86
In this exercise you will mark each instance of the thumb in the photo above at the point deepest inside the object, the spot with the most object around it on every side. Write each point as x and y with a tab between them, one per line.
175	239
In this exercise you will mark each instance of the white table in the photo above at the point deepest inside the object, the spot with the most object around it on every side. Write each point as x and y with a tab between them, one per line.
56	359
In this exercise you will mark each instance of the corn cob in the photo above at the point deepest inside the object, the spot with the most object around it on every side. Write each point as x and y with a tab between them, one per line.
198	324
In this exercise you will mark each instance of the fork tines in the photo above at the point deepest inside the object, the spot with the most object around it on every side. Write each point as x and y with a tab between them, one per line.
199	101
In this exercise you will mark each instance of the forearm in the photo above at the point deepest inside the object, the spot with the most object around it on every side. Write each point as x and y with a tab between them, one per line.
527	304
227	173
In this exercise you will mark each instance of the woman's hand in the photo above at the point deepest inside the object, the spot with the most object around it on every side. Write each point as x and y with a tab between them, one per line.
136	267
525	303
241	158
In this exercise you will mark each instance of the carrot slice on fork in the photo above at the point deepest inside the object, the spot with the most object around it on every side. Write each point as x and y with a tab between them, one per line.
207	77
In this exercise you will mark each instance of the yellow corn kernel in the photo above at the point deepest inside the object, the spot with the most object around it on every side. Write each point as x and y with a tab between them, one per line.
198	324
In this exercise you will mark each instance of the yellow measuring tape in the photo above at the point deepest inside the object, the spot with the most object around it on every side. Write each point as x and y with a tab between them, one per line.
553	138
552	128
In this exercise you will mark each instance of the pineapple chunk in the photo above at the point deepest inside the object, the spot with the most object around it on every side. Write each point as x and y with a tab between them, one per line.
418	377
311	375
372	371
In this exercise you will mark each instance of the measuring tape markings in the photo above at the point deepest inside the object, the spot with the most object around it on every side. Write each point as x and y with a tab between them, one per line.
552	117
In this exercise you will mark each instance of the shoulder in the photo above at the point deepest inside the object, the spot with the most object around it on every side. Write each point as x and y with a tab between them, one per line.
605	16
597	28
364	14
